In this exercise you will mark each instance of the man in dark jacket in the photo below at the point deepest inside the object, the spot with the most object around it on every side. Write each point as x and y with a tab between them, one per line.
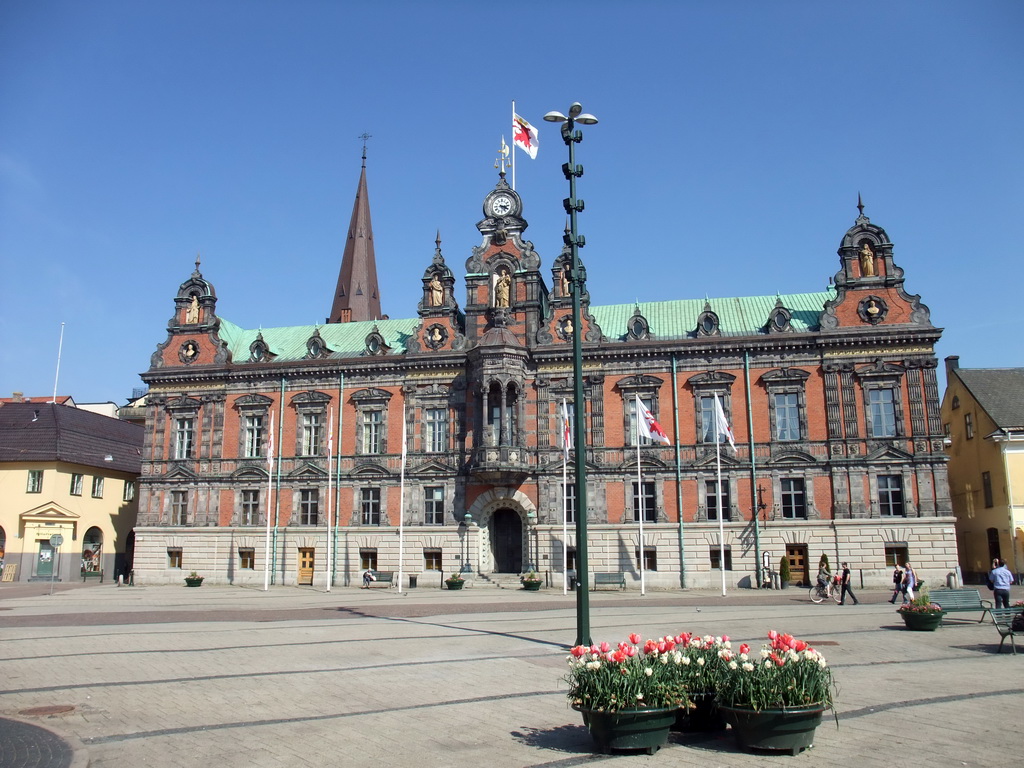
847	586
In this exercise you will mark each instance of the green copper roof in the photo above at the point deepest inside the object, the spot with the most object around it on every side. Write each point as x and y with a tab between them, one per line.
342	339
742	316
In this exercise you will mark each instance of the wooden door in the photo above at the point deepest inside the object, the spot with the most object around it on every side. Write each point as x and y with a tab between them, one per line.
798	567
307	559
507	533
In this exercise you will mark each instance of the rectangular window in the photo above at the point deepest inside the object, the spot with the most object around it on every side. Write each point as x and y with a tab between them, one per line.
129	491
890	496
896	554
648	403
76	485
179	508
570	559
969	425
373	423
986	487
649	499
882	405
309	506
433	505
184	433
174	557
246	558
368	559
250	507
35	481
711	499
312	428
570	502
787	416
436	438
369	504
650	558
716	557
97	487
431	559
253	436
794	499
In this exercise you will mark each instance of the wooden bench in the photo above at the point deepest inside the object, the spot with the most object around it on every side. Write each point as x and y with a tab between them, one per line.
387	578
1003	619
612	579
958	600
86	575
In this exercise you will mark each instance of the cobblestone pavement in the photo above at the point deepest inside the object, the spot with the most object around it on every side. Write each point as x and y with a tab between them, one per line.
225	676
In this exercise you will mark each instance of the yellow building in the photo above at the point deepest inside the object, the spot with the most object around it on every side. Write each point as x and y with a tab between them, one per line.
983	414
67	492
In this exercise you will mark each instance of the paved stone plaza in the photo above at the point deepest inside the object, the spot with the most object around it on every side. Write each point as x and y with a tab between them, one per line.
233	678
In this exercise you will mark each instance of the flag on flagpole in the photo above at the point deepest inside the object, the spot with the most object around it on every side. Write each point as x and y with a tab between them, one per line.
330	430
270	444
648	427
524	136
566	431
722	428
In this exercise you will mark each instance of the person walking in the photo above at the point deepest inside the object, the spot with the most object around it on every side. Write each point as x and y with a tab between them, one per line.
847	586
1000	580
897	582
909	582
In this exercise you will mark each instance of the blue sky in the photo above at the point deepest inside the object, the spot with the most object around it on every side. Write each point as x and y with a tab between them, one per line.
733	141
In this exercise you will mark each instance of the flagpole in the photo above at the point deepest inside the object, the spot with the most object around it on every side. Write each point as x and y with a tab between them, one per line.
330	451
270	490
514	146
640	494
718	494
401	510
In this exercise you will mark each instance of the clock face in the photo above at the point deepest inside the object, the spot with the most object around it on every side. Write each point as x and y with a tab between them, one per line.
501	205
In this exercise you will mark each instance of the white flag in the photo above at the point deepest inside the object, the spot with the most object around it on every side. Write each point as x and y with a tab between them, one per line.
270	444
722	428
648	427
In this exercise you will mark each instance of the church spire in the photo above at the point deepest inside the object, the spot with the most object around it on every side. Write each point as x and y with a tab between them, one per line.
357	296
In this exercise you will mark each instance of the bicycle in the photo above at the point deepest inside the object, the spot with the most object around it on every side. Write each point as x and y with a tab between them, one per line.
819	593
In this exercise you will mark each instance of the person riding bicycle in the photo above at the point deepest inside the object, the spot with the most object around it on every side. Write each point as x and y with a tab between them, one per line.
824	577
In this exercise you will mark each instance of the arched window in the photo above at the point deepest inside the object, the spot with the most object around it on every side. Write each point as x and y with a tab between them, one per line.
92	550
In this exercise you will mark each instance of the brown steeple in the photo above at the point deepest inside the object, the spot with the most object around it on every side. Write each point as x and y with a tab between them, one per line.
357	296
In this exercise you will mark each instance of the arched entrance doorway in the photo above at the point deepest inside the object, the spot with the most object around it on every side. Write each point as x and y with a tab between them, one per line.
507	541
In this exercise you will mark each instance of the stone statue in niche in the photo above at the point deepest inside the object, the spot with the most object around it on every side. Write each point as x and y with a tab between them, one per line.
867	261
502	287
192	313
436	292
565	281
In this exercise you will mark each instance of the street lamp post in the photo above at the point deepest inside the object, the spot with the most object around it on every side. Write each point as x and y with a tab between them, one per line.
577	277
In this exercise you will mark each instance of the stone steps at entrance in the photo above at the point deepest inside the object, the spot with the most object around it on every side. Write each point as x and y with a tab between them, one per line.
500	580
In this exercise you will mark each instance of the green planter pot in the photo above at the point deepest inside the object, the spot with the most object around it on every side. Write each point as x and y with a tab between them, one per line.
786	730
645	729
193	582
455	584
922	622
702	717
531	586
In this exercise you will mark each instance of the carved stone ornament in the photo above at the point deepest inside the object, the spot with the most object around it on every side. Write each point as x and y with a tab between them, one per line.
872	309
188	353
435	336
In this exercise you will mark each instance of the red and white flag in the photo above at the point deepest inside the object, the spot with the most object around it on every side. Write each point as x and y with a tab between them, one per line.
722	428
648	427
524	136
566	432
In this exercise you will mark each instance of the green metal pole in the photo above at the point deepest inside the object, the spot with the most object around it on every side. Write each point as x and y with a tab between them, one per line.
571	138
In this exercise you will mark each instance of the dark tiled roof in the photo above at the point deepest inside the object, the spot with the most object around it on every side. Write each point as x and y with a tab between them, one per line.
1000	391
50	432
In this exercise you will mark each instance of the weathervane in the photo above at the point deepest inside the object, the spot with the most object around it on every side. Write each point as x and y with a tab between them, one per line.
502	160
364	136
